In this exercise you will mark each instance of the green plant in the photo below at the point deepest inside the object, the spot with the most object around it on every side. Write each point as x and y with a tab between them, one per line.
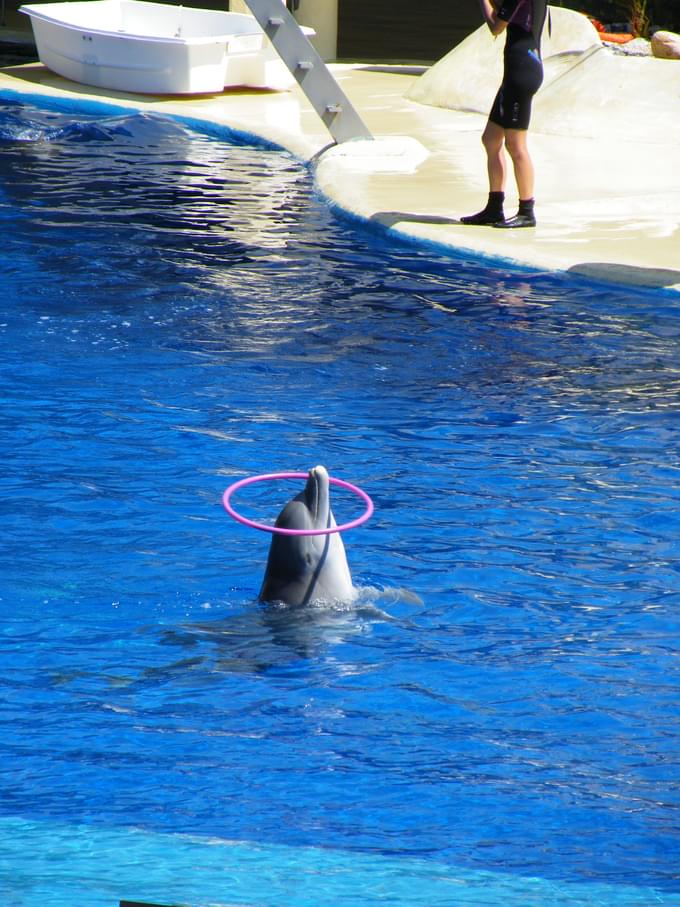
638	17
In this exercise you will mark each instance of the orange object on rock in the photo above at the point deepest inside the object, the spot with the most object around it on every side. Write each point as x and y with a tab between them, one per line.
616	37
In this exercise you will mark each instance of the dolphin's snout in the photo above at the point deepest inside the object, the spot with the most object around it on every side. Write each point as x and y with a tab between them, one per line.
318	497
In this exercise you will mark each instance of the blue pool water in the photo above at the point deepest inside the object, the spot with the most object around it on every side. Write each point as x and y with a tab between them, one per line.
496	720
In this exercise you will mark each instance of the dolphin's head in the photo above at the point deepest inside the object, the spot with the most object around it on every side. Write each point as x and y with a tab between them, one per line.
302	568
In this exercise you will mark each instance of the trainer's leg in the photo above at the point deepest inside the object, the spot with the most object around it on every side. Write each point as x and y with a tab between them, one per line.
516	143
492	139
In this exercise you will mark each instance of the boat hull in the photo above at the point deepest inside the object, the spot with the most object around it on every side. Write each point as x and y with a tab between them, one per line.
154	48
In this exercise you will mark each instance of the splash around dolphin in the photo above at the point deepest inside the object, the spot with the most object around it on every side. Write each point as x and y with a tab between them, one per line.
308	568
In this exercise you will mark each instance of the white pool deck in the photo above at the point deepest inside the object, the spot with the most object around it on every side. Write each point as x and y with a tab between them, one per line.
605	149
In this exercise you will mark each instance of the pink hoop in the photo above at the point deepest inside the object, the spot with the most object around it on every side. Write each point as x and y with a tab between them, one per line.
272	476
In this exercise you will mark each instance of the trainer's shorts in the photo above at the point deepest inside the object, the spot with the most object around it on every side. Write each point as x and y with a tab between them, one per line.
522	77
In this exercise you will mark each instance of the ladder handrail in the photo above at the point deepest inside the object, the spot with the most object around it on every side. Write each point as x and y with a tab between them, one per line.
309	70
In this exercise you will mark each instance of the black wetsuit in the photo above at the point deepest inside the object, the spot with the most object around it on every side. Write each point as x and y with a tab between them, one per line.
523	69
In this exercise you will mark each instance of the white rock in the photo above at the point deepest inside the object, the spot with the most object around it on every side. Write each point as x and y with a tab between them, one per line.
666	44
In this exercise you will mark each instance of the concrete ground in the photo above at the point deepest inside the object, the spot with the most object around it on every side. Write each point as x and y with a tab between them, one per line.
604	140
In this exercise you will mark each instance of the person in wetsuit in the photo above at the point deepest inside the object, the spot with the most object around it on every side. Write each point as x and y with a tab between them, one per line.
522	20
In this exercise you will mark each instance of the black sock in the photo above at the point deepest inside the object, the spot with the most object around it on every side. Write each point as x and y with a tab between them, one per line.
526	207
495	204
491	214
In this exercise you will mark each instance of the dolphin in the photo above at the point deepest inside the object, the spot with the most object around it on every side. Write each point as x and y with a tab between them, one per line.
308	568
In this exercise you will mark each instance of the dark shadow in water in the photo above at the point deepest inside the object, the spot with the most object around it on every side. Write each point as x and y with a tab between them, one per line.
273	636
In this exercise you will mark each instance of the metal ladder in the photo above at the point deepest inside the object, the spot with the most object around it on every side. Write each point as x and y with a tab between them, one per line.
309	71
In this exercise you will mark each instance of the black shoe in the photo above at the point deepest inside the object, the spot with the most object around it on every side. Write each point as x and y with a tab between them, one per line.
490	214
484	219
519	220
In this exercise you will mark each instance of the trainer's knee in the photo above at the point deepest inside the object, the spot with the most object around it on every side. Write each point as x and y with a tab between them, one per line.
517	146
493	143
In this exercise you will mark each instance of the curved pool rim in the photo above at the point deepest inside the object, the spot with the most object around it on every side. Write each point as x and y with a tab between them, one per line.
207	125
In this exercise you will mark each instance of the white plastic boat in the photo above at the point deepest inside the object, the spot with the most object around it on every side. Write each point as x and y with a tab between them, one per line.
154	48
